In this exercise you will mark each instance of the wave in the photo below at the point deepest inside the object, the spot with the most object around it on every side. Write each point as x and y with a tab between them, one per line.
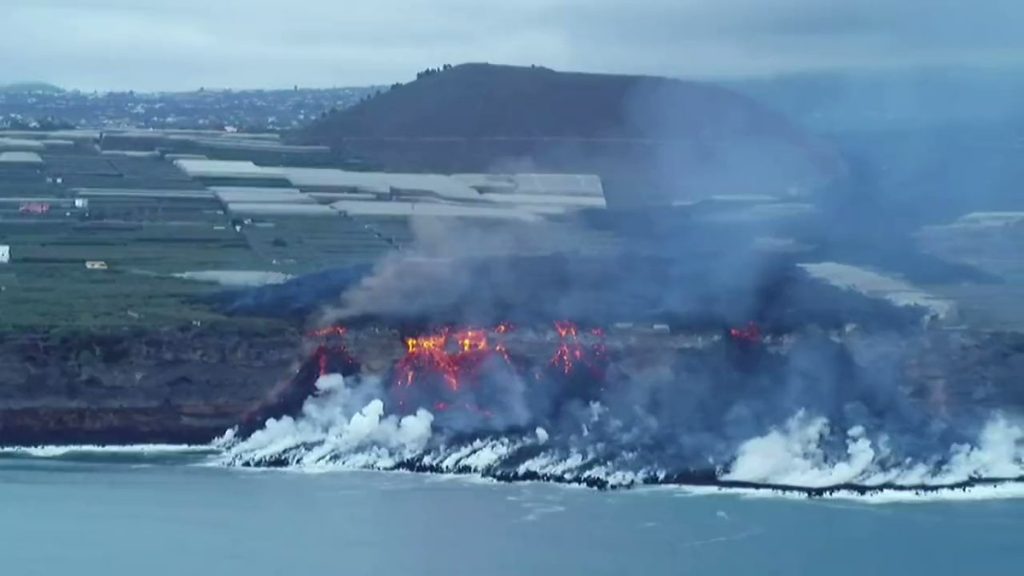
58	451
144	453
347	427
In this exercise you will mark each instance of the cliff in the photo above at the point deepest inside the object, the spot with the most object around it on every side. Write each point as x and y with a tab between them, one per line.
125	386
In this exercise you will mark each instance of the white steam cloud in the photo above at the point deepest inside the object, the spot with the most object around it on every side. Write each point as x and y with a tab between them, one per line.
794	455
346	427
341	424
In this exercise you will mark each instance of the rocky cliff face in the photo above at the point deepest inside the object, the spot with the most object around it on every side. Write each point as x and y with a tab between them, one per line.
133	386
136	386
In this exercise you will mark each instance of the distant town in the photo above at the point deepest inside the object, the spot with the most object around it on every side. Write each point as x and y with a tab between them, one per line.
46	107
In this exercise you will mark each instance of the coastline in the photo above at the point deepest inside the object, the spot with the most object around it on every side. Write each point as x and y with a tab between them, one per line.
696	483
125	386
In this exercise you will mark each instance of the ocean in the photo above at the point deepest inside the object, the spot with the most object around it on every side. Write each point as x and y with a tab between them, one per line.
169	512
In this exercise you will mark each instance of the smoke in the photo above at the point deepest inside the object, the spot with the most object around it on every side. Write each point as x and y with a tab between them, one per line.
870	410
715	142
921	145
707	261
602	442
341	421
844	390
433	273
795	455
638	269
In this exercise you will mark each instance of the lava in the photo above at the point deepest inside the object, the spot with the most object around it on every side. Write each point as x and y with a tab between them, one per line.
428	355
458	368
441	367
455	356
332	355
750	334
573	352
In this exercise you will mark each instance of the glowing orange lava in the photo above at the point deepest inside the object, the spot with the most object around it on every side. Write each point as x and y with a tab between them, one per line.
331	354
573	352
456	356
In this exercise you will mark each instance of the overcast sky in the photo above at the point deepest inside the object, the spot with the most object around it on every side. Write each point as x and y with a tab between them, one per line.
184	44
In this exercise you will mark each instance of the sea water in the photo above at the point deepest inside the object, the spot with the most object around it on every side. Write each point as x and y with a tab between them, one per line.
167	512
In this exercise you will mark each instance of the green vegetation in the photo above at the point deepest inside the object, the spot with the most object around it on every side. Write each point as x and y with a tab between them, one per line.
300	245
64	295
47	282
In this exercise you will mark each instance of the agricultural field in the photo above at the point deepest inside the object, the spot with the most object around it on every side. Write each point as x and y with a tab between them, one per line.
106	240
137	267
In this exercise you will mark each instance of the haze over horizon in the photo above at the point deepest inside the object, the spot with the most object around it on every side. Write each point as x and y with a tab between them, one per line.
155	46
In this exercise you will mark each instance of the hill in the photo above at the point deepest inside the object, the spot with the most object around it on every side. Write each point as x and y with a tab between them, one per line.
27	87
652	139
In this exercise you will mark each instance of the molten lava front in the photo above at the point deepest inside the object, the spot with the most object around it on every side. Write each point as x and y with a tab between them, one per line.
467	373
448	365
573	353
461	368
331	355
427	355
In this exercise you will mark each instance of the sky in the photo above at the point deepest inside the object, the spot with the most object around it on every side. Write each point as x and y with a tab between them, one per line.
187	44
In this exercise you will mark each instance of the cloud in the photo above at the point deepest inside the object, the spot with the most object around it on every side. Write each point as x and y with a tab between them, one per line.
150	44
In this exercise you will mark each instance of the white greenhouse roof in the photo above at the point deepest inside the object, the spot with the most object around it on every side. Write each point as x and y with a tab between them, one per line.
363	208
227	169
263	195
271	209
23	145
20	158
876	285
143	193
546	200
337	179
565	184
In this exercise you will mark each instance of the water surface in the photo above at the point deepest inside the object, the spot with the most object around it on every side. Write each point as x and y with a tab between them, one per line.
172	517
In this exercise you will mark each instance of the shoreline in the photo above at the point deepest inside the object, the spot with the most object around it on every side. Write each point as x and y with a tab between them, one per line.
697	482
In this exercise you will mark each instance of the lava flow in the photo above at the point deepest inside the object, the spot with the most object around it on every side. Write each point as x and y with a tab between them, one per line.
573	353
456	357
750	334
332	355
427	355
